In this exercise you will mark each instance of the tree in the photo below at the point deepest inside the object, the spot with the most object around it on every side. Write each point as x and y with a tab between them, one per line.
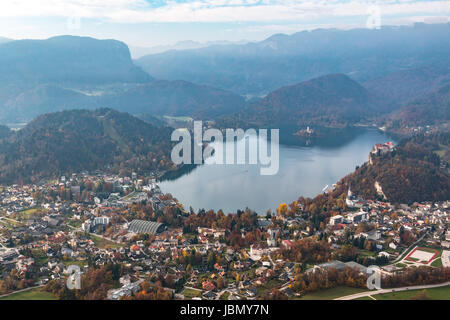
282	209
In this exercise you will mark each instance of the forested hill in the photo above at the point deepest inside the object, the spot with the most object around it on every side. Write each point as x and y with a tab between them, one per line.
413	172
72	141
402	87
431	109
330	101
175	98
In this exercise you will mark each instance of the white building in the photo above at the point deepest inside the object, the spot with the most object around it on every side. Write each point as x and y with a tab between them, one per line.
357	217
336	220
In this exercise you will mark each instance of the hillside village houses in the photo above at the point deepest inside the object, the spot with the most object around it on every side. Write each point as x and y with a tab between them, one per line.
91	226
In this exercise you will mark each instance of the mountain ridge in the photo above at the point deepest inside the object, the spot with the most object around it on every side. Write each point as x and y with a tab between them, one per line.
261	67
66	59
329	101
431	109
155	98
401	87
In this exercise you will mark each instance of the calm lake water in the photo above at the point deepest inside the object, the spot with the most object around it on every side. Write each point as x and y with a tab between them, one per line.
303	171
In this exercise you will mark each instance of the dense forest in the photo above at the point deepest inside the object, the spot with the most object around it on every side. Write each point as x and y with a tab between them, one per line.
399	88
329	101
73	141
431	109
413	172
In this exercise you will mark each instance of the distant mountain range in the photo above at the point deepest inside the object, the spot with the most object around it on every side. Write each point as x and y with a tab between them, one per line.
404	99
174	98
68	59
37	75
76	140
44	98
157	98
261	67
431	109
328	101
62	73
138	52
41	76
4	40
401	87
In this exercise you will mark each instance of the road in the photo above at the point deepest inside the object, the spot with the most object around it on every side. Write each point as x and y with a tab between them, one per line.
374	292
12	220
271	261
26	289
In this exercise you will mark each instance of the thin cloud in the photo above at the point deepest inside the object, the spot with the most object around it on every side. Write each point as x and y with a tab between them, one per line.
140	11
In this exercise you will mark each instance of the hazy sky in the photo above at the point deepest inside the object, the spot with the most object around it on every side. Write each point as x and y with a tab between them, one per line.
155	22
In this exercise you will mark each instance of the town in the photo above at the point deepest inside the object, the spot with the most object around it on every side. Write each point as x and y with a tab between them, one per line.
97	222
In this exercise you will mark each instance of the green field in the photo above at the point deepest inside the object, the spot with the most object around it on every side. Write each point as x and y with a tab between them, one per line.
442	151
27	214
75	223
437	263
366	253
103	243
329	294
191	293
442	293
32	294
225	295
273	283
80	263
364	298
9	224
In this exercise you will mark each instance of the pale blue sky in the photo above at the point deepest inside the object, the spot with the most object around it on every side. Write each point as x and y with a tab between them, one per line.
159	22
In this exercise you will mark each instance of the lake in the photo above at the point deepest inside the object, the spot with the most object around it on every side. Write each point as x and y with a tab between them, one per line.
303	171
